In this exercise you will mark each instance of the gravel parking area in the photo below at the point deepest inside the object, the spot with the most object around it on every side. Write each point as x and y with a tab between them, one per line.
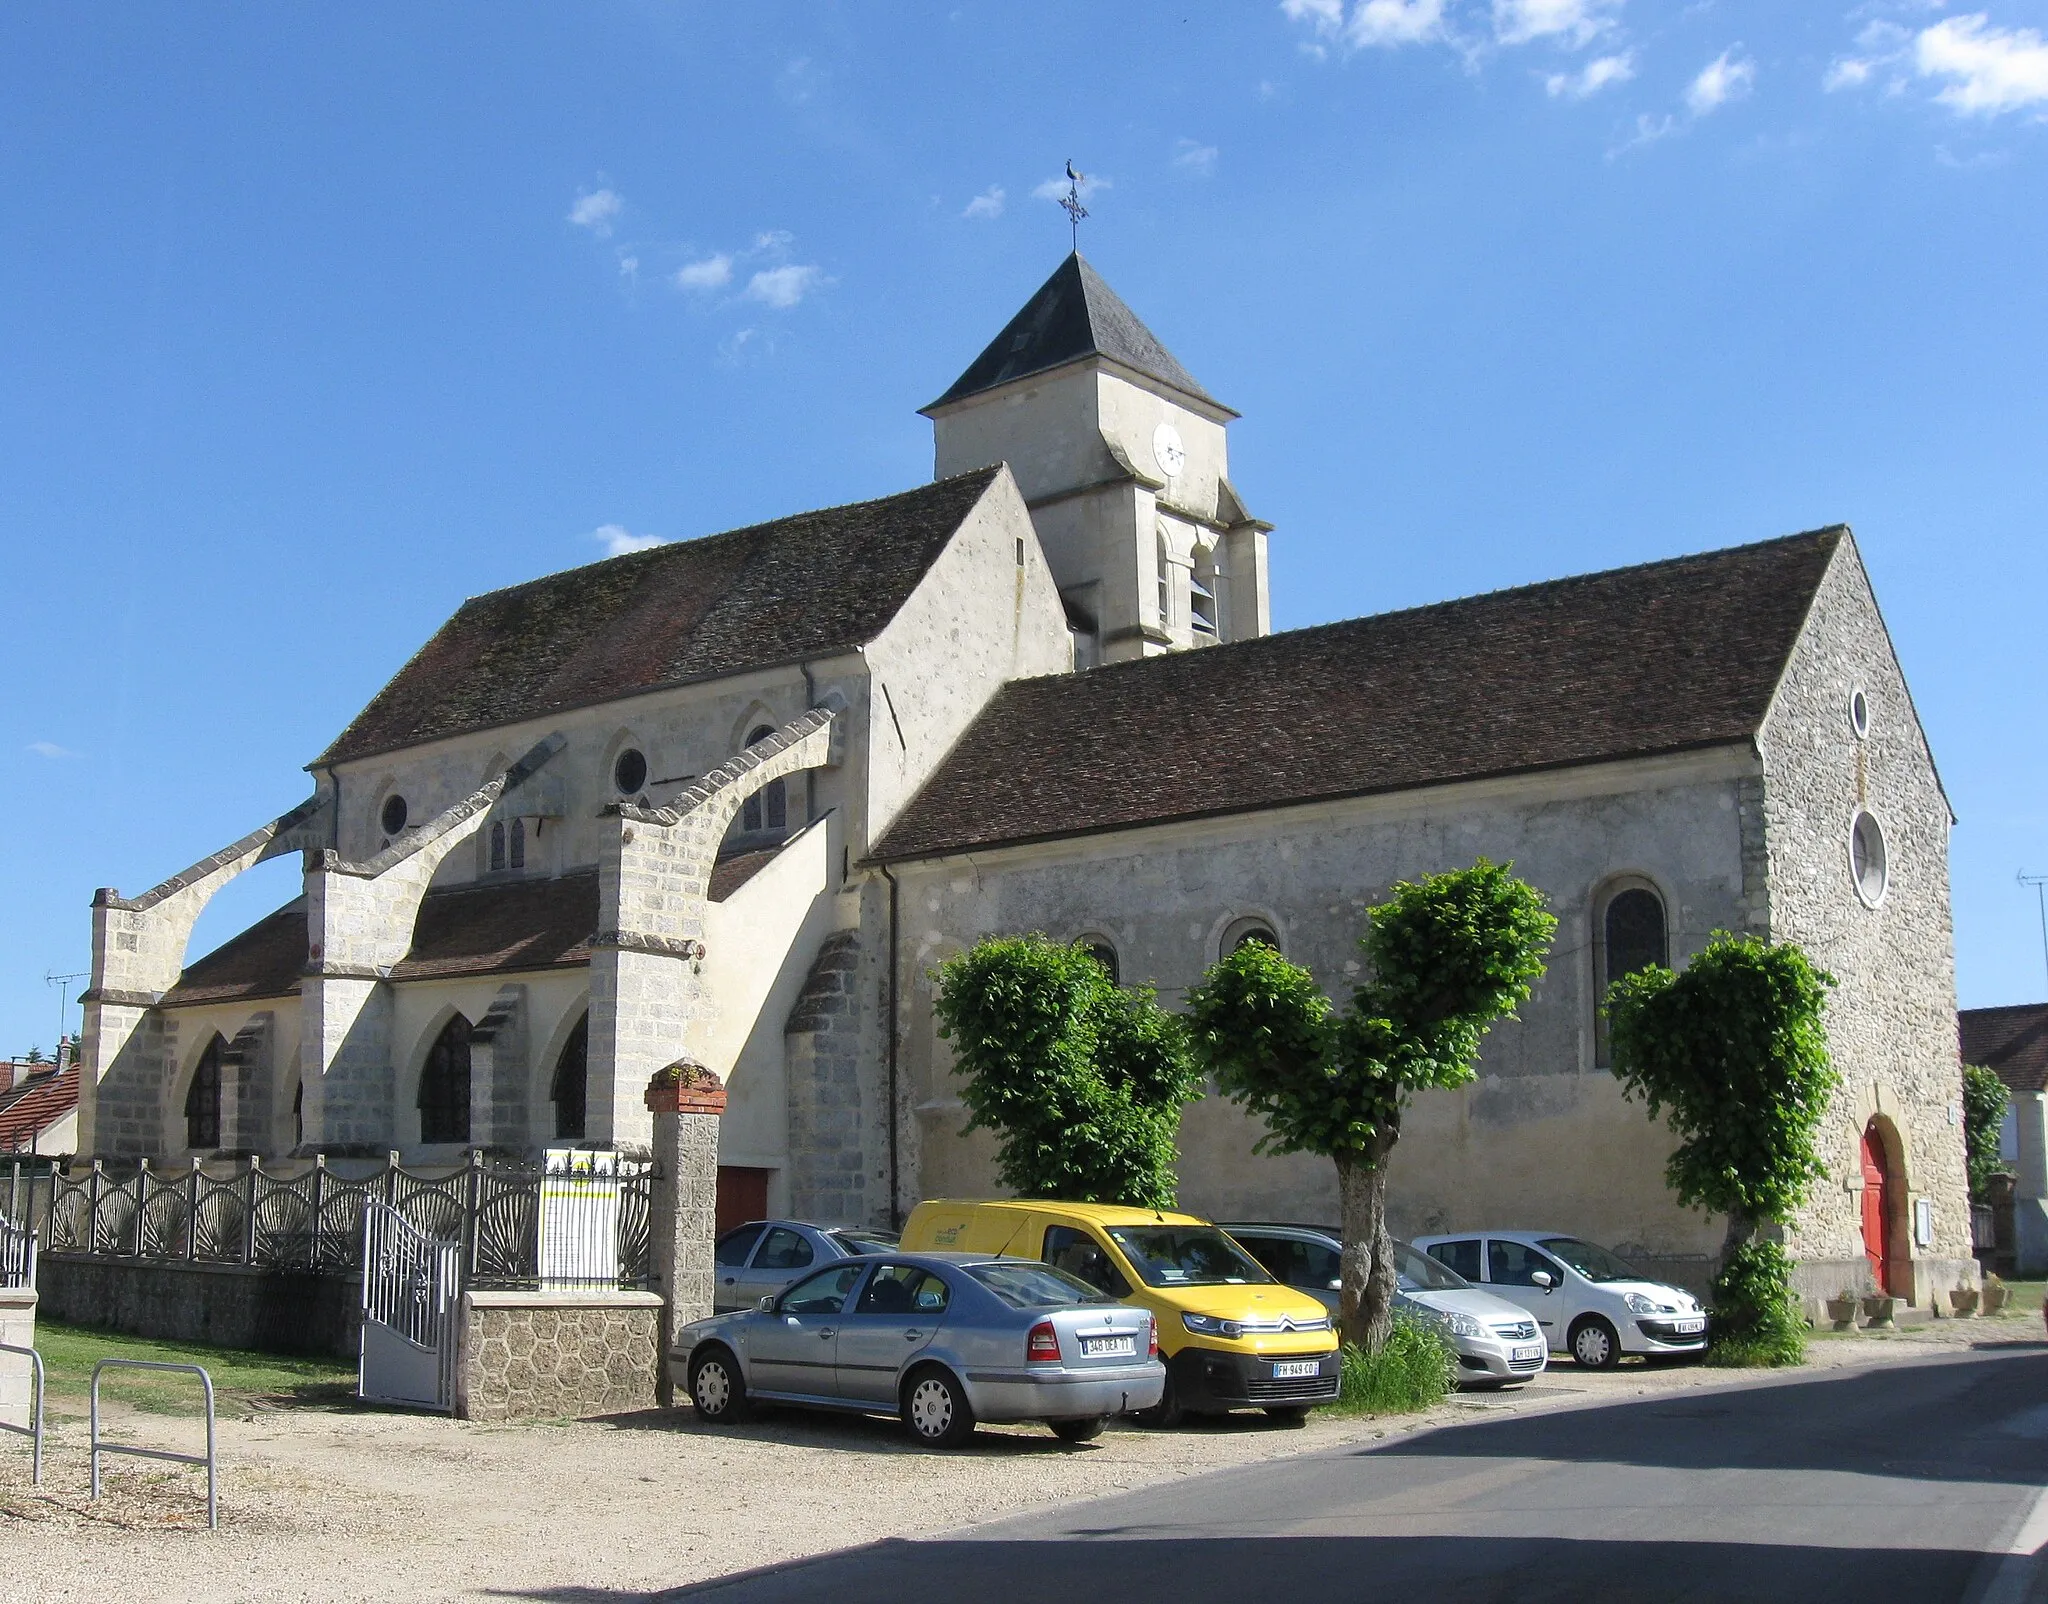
343	1503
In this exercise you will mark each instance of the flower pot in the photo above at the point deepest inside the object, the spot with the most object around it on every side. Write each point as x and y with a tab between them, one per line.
1877	1314
1964	1301
1842	1312
1994	1297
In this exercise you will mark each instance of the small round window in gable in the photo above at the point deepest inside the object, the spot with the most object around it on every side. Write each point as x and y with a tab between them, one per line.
1859	712
1867	859
629	771
394	814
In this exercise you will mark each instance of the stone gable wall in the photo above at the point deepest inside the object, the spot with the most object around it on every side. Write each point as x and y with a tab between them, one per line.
1892	1016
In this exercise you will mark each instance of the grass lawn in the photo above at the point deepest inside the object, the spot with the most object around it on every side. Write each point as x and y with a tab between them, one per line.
239	1376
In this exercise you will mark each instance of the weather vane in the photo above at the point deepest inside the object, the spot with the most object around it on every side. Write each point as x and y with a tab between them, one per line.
1070	202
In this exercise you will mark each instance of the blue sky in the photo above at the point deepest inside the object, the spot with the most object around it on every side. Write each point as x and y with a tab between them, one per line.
318	319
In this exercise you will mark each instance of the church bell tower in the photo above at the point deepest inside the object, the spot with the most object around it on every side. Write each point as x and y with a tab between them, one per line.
1124	463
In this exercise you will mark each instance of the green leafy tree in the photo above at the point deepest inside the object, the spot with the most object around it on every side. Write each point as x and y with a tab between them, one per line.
1446	957
1083	1082
1984	1103
1733	1053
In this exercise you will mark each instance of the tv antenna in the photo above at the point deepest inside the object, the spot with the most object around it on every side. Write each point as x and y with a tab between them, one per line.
2040	884
1070	203
63	985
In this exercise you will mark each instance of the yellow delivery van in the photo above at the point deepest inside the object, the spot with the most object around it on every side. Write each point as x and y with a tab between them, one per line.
1232	1337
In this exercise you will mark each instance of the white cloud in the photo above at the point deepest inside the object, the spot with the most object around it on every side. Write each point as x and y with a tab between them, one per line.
1727	77
629	265
1056	188
596	210
1648	131
783	287
989	203
49	749
1371	23
1847	72
1594	77
617	540
1990	70
1577	22
713	272
774	241
1195	157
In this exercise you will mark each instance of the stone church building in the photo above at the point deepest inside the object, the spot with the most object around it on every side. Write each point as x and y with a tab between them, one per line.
733	798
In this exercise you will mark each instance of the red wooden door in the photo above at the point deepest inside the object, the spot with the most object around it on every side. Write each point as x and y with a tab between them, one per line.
742	1196
1877	1208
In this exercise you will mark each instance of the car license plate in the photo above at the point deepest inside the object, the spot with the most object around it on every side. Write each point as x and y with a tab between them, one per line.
1289	1369
1526	1353
1688	1328
1108	1347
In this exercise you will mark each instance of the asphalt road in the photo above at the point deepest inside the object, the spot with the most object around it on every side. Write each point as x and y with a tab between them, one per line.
1918	1481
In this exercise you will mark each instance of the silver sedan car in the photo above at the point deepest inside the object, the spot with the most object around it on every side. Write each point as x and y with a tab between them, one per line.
764	1256
942	1339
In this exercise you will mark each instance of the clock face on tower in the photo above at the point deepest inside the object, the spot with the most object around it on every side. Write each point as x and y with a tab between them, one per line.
1167	450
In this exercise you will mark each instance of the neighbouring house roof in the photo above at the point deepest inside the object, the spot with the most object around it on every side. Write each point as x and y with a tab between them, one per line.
811	585
1660	658
1073	315
33	1105
2012	1041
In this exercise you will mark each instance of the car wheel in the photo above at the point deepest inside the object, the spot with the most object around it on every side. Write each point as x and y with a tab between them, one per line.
1288	1414
936	1410
1077	1430
718	1392
1165	1414
1594	1344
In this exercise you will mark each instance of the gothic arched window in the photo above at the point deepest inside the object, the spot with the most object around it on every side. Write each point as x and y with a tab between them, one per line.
570	1089
518	840
1630	934
202	1100
444	1085
767	808
497	847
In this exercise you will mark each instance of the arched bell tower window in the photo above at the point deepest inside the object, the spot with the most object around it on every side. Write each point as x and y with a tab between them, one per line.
1630	934
767	808
444	1085
202	1100
570	1088
1204	609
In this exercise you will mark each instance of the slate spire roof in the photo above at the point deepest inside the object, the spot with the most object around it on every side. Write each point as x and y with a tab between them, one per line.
810	585
1662	658
1073	315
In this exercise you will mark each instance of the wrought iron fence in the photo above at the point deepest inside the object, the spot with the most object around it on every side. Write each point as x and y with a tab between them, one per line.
17	1255
307	1214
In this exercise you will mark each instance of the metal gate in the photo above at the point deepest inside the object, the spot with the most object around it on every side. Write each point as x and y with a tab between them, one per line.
411	1285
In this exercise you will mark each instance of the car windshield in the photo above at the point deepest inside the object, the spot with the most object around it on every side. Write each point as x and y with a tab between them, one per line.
1025	1285
1186	1256
1418	1272
1594	1263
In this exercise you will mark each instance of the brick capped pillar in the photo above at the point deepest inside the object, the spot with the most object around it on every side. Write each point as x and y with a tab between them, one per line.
687	1101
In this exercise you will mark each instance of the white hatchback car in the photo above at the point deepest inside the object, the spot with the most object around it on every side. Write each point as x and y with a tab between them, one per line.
1588	1302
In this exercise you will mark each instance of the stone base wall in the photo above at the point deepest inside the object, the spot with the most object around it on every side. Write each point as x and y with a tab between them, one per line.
231	1305
17	1376
556	1355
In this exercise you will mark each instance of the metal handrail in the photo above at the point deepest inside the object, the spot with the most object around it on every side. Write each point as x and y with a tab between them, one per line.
206	1459
34	1429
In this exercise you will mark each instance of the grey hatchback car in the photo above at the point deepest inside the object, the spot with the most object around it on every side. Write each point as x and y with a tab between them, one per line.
764	1256
942	1339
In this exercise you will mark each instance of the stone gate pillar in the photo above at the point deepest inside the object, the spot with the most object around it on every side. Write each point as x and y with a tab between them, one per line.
2030	1196
686	1100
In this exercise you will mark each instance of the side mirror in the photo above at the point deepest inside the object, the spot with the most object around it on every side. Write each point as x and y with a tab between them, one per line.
1542	1279
767	1303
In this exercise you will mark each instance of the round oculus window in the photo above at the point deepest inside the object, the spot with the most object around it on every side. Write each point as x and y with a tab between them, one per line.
394	814
629	771
1868	864
1859	712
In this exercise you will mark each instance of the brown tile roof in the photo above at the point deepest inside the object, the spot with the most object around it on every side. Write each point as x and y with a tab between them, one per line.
729	874
34	1105
497	928
2013	1041
807	586
1658	658
263	961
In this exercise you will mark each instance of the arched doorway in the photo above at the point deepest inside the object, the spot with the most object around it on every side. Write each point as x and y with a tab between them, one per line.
1878	1204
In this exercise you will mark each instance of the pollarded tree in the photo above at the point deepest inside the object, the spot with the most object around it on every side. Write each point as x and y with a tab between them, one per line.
1447	956
1734	1054
1083	1082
